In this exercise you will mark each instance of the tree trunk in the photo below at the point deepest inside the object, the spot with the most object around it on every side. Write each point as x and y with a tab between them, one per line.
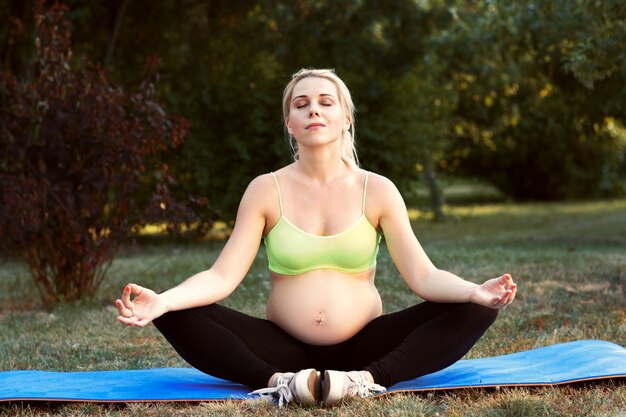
436	198
119	17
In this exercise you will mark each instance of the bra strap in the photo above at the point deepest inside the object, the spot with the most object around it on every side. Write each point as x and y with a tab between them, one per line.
280	201
365	191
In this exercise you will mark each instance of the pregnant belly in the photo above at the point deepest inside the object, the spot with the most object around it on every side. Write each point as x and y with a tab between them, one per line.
323	307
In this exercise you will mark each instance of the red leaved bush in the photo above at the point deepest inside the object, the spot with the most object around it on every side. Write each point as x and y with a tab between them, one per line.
76	155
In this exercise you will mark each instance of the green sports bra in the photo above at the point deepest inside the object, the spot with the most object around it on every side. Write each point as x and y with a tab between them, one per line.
292	251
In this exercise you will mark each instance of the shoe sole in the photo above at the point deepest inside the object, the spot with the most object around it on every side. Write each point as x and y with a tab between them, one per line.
308	386
332	394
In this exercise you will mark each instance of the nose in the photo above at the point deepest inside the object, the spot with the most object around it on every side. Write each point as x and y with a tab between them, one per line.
314	110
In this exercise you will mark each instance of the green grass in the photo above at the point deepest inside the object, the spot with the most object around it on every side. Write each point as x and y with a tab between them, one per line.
569	260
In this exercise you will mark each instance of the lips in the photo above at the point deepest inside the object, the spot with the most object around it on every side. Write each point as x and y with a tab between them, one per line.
315	124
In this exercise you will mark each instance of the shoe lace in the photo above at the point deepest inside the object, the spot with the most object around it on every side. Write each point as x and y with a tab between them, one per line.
281	390
362	387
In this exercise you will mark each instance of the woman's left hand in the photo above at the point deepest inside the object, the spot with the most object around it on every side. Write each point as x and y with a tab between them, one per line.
495	293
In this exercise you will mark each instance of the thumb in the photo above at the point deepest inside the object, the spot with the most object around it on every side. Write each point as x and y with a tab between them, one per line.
135	289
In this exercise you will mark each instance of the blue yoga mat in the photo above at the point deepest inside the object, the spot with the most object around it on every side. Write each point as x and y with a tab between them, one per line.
558	364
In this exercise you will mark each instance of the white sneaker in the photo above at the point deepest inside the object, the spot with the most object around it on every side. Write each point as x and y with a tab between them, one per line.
338	385
302	387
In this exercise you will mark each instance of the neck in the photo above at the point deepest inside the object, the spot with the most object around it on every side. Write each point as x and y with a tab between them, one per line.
323	164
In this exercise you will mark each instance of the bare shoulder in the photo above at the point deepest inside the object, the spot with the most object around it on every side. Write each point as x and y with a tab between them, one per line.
380	187
261	183
383	199
261	192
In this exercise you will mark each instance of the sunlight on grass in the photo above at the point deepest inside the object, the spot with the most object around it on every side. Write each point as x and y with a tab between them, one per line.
152	229
527	209
219	230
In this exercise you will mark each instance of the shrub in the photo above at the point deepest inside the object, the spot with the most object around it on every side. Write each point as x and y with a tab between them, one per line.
76	154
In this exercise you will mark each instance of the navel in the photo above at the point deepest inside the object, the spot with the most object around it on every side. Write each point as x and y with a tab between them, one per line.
320	320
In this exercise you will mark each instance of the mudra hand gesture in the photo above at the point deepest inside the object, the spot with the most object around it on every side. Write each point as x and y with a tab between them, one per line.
142	309
495	293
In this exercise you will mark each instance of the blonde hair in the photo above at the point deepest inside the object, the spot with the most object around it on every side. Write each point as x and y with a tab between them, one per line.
348	146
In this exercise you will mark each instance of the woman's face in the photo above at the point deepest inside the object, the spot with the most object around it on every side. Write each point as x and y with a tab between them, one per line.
316	116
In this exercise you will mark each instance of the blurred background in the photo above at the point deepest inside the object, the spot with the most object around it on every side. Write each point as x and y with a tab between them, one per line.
524	98
126	116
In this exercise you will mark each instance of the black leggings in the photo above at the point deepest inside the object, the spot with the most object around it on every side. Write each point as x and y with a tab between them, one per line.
394	347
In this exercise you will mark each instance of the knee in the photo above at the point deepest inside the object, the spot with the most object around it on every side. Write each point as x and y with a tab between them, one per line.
166	320
171	319
480	314
188	318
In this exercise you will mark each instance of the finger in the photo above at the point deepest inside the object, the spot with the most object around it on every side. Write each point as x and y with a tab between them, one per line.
126	320
126	296
511	285
141	323
496	302
510	297
505	279
132	321
121	308
503	300
131	289
135	289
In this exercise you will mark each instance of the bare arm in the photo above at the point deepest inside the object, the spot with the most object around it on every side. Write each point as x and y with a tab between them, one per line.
424	279
212	285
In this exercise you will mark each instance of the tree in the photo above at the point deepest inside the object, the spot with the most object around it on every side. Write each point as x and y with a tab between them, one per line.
75	152
538	86
423	127
536	100
225	64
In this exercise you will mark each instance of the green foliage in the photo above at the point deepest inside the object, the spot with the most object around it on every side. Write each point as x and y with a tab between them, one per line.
75	151
526	95
224	65
541	89
236	82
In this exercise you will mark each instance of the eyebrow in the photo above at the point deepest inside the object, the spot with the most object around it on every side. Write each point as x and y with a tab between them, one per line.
321	95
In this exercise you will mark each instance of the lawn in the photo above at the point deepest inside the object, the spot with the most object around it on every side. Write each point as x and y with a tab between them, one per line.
569	260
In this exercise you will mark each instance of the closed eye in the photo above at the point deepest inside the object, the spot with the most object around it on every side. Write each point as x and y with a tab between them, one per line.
301	104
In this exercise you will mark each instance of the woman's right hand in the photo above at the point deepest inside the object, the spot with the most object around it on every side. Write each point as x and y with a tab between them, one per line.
142	309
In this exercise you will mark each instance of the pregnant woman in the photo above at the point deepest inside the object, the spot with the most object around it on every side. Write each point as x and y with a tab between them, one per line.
321	219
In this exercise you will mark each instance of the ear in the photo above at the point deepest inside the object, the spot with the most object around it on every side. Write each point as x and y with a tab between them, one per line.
288	126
